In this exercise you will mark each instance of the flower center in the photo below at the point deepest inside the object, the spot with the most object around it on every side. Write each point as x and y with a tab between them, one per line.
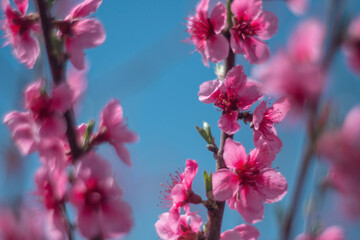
93	196
243	29
165	198
247	174
227	101
200	28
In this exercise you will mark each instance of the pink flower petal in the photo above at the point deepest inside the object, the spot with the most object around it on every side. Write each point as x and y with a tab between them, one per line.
88	223
27	50
256	51
268	23
248	8
235	78
273	185
332	233
202	9
298	7
225	184
249	94
259	114
243	232
228	122
279	110
250	205
61	98
218	48
218	17
189	173
85	8
234	153
209	91
22	5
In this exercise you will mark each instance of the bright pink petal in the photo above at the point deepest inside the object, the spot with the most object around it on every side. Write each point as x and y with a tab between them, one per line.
178	194
27	50
234	153
243	232
85	8
15	119
77	83
57	225
279	109
54	126
256	51
268	24
166	226
273	185
189	173
202	9
218	17
218	48
332	233
22	5
235	78
112	114
249	94
259	114
209	91
25	139
123	153
228	122
250	205
195	222
61	98
236	44
270	142
246	8
225	184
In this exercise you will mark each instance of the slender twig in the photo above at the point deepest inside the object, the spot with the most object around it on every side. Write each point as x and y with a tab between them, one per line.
215	213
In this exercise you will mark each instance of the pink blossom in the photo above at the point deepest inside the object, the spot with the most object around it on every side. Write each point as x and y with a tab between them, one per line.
172	226
252	26
43	118
18	29
179	192
249	182
232	94
243	232
97	197
51	186
264	119
77	83
331	233
296	72
342	149
114	130
352	45
81	32
206	32
298	7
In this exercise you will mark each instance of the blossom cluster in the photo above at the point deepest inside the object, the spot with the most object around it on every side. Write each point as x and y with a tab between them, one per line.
69	176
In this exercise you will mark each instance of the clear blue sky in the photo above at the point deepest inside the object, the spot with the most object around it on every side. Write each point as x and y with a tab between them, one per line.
144	64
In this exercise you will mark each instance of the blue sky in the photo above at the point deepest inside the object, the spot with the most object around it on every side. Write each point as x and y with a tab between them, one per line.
145	65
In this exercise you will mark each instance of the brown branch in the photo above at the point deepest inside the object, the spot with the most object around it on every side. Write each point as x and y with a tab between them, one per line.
57	62
216	212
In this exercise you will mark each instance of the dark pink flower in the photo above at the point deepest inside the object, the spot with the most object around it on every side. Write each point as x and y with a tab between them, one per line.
331	233
249	182
173	226
97	197
252	26
352	45
298	7
178	192
231	95
18	29
81	32
114	130
296	73
243	232
51	186
342	149
264	119
206	32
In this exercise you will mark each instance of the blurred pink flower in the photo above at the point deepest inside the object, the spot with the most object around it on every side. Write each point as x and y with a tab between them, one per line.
179	193
97	197
248	182
352	45
264	119
331	233
51	186
173	226
81	32
232	94
298	7
114	130
243	232
342	149
206	32
296	73
18	29
251	27
43	118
